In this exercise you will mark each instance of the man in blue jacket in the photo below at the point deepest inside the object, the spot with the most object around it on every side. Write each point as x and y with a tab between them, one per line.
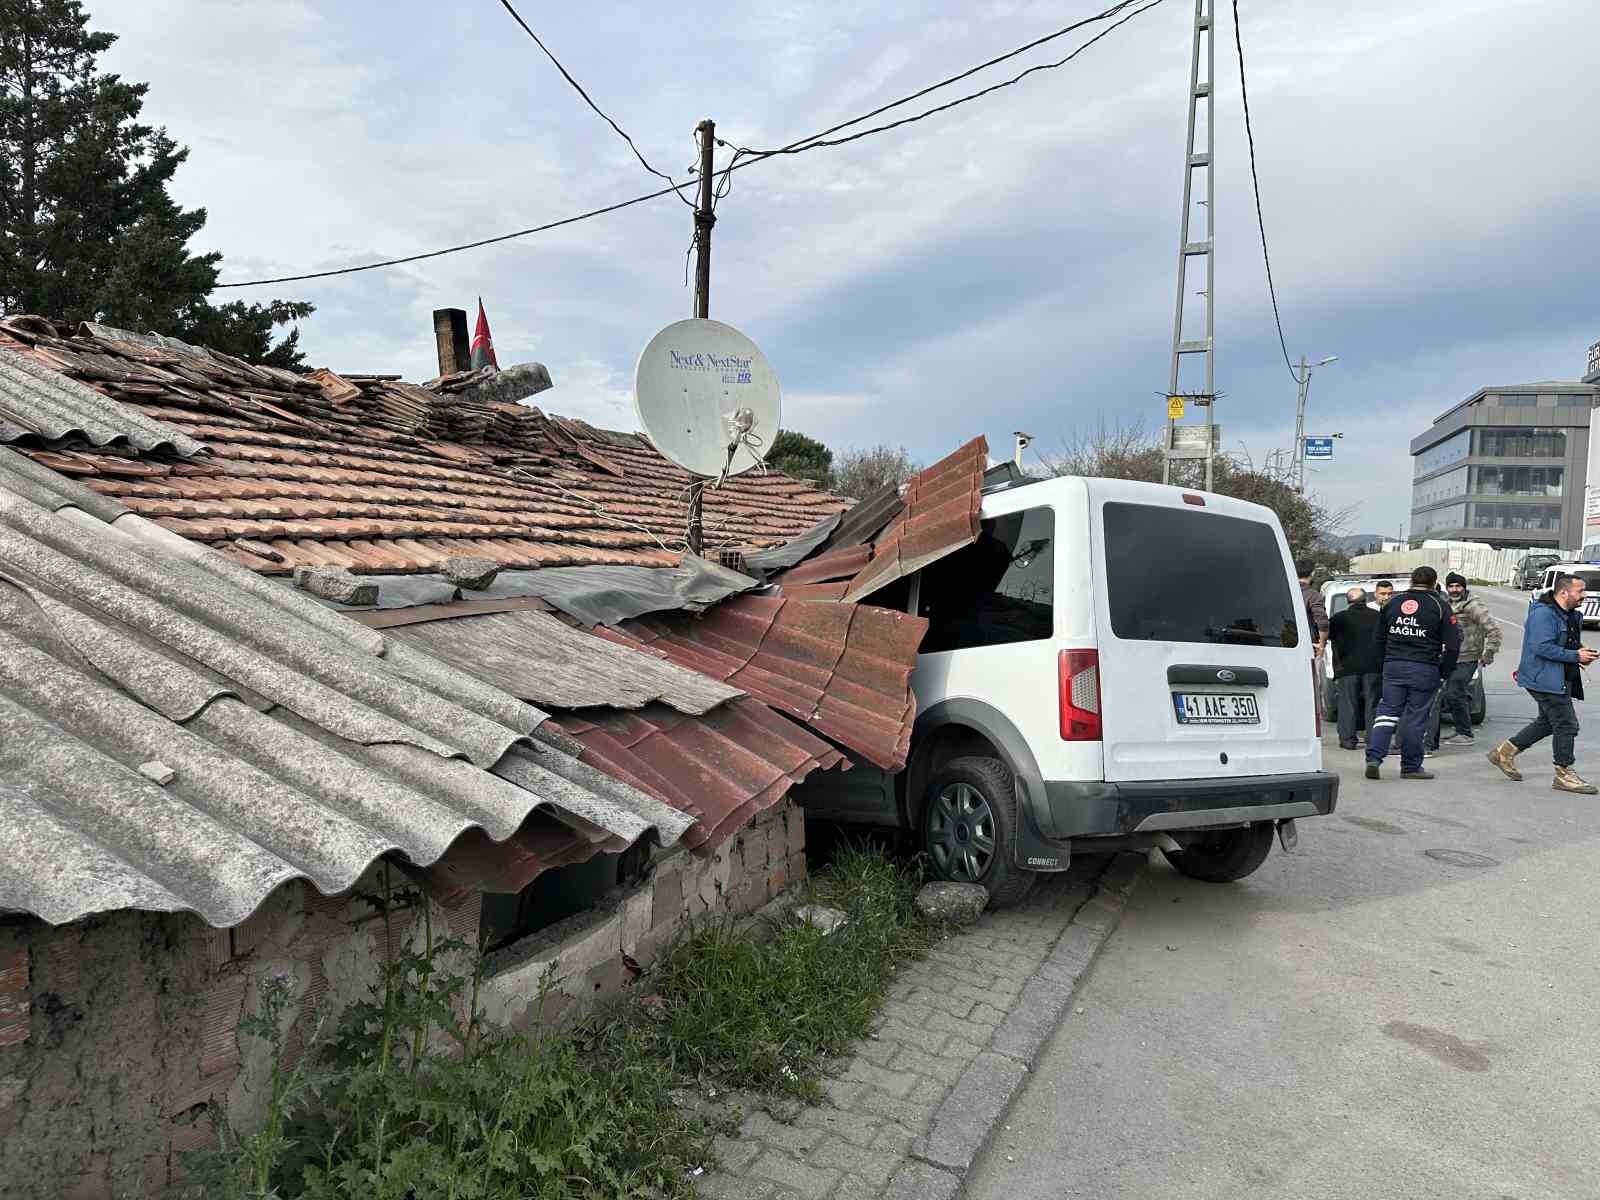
1552	653
1418	642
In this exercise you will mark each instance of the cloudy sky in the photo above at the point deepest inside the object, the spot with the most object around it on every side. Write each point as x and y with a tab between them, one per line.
1428	169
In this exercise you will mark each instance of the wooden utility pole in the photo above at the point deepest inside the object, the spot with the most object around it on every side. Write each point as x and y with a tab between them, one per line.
704	219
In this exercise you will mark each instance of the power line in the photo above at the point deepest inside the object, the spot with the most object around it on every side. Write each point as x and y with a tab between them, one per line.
578	87
1255	183
815	140
754	157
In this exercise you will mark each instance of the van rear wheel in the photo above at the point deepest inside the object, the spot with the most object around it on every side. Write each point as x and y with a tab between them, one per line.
968	828
1224	856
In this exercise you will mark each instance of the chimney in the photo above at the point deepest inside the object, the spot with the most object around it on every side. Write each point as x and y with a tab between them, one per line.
450	331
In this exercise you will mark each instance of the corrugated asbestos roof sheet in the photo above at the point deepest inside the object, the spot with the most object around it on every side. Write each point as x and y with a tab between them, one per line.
382	476
844	670
37	403
935	514
301	744
539	658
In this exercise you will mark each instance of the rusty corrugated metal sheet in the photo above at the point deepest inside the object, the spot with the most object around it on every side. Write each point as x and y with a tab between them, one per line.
722	768
844	670
843	564
890	535
940	515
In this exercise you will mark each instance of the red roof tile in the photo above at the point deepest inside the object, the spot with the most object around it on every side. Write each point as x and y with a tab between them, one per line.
380	475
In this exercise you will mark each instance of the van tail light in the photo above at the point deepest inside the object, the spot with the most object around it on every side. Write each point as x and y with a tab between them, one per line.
1080	695
1316	697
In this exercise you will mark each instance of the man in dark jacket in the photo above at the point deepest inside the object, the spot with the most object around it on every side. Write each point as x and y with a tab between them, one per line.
1552	653
1356	667
1417	640
1316	610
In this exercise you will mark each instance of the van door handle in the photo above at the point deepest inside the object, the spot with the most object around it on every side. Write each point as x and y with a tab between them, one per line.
1213	675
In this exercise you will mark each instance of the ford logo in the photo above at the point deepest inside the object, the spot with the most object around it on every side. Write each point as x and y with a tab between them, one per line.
1226	675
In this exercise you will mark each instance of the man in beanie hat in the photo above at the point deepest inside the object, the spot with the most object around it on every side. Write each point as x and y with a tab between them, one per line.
1480	642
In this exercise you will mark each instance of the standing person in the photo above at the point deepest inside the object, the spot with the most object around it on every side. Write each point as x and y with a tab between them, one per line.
1382	593
1480	642
1552	653
1418	641
1354	634
1316	610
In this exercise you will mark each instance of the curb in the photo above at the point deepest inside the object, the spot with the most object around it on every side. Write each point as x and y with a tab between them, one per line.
964	1123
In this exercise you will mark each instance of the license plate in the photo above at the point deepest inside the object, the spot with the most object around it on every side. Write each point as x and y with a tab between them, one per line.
1211	708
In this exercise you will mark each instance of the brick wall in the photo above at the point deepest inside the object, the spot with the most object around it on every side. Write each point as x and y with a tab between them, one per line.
117	1031
594	956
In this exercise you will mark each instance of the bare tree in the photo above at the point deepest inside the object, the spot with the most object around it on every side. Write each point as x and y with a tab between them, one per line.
1133	452
859	473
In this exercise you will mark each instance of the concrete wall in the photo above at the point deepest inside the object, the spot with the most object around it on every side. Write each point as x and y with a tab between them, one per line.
1497	566
117	1032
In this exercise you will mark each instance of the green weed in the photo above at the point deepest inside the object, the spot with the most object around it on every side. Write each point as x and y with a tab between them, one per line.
765	1015
413	1097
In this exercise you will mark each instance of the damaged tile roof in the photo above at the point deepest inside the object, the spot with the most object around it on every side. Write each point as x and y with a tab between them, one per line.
178	733
377	475
842	669
898	531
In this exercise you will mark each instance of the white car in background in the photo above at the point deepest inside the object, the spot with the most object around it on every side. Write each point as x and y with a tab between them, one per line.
1336	600
1589	573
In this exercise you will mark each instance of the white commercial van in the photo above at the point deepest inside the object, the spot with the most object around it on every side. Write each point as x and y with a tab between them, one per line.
1111	665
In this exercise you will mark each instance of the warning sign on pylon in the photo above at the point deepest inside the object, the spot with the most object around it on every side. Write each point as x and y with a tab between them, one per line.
1174	408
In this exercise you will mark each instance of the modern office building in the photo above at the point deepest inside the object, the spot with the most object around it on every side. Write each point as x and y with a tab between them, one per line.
1506	466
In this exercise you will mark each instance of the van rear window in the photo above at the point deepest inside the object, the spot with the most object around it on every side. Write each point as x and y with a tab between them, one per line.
1175	575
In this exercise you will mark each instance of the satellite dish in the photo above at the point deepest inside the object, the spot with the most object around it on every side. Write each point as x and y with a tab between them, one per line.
707	397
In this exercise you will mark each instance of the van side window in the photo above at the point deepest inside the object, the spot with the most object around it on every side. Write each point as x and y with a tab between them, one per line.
1000	589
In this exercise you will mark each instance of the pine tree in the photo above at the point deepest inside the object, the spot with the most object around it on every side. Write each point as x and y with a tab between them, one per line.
88	231
800	457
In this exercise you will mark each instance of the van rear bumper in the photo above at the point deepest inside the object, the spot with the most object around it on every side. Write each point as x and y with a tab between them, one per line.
1161	805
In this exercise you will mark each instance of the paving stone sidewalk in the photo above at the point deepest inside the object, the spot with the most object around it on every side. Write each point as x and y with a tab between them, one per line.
915	1103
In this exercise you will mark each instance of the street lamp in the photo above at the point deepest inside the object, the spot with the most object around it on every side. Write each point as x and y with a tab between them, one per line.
1302	376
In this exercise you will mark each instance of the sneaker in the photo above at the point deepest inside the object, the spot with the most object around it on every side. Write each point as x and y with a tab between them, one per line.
1458	739
1430	753
1419	773
1347	745
1372	771
1568	780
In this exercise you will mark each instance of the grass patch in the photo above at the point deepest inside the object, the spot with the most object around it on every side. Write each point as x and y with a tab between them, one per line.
764	1015
407	1099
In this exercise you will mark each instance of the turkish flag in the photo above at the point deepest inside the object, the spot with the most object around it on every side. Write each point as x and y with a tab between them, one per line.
482	343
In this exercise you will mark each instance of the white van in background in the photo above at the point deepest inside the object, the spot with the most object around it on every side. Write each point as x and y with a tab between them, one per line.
1590	574
1111	665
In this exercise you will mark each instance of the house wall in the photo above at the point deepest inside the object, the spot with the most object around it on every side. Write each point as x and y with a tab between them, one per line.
117	1031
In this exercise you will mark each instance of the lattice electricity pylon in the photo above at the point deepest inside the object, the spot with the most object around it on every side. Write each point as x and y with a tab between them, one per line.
1200	89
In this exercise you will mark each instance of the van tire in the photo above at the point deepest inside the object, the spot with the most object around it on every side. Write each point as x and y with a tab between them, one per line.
1226	856
988	782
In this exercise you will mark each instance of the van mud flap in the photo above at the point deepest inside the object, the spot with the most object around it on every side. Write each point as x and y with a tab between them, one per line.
1031	850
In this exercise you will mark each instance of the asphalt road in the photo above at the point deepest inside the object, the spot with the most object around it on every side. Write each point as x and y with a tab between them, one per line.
1409	1006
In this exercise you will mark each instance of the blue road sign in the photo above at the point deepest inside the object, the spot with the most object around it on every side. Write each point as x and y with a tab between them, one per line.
1319	447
